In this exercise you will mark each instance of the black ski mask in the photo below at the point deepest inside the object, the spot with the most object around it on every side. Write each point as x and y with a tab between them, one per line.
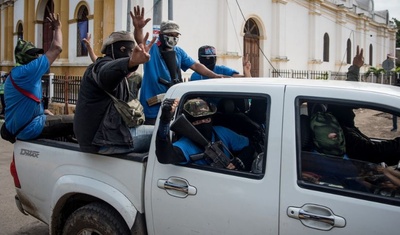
120	49
205	129
209	62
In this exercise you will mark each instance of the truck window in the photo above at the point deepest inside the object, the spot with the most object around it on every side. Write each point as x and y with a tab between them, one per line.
347	147
237	116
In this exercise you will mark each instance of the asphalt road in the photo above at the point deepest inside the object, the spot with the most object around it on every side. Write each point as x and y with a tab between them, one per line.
12	221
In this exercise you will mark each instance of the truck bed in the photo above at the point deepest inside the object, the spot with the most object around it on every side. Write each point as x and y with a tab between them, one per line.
53	171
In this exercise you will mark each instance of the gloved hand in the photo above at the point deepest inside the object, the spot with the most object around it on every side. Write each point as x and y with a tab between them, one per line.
166	111
238	163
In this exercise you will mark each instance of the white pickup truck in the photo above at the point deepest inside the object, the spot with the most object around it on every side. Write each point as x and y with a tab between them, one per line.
284	193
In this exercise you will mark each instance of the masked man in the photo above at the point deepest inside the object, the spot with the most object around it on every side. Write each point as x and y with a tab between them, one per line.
208	56
99	128
199	113
25	116
164	68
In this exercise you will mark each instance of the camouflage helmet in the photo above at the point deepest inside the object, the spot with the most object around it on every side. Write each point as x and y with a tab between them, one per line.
25	52
328	135
169	26
198	108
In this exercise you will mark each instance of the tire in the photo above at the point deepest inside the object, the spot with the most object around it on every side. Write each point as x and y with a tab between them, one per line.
95	219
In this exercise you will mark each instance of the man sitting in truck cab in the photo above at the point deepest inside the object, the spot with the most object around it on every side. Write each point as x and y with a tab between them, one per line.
329	159
200	113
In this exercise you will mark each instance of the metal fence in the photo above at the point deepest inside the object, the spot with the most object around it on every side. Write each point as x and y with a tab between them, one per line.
65	88
328	75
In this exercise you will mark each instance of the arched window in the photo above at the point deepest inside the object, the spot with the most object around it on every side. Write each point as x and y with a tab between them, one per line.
326	48
251	45
82	30
371	54
20	31
47	31
348	51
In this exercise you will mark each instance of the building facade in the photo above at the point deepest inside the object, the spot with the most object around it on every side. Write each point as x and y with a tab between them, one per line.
276	34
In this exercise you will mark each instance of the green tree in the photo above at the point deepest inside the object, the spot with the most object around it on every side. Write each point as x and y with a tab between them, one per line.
376	71
398	32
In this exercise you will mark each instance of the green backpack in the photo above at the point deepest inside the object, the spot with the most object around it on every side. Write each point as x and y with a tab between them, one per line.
328	136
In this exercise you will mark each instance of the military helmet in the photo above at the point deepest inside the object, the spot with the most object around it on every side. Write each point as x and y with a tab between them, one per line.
198	108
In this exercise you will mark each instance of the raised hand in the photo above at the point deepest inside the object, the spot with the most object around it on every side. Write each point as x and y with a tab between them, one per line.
138	18
358	60
87	40
246	66
139	56
148	46
54	20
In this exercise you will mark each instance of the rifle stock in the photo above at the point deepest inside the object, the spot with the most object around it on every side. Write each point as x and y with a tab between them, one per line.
183	127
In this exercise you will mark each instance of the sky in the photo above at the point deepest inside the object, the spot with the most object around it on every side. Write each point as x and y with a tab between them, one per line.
392	5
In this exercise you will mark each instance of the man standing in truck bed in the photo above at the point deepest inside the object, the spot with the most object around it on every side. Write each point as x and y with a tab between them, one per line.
164	68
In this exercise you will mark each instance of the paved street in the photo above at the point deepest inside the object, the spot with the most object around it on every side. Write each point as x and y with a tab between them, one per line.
12	221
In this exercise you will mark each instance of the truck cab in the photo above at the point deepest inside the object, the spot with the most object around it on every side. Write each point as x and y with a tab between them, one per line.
290	188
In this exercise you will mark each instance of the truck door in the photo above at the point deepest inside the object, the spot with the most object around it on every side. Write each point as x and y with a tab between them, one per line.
198	199
323	191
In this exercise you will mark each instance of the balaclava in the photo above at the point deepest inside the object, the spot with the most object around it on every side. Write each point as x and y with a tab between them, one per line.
119	44
120	49
208	56
168	42
198	109
25	52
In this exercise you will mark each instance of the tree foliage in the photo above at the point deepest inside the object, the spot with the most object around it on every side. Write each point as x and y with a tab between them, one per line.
398	32
376	71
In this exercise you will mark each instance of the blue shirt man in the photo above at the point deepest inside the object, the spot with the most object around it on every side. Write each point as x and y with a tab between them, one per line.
231	139
157	69
208	57
21	109
164	68
199	113
24	116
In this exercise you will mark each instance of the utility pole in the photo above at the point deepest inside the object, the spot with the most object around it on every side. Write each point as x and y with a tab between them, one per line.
170	9
128	17
157	12
157	17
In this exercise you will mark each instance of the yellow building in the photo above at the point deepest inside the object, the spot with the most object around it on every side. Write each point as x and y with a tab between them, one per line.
278	35
26	19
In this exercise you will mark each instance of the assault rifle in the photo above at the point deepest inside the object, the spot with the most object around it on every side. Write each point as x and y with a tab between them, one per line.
183	127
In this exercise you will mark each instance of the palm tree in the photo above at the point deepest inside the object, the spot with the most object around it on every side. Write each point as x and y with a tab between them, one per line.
376	71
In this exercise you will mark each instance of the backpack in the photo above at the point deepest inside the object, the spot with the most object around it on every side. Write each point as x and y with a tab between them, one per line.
328	136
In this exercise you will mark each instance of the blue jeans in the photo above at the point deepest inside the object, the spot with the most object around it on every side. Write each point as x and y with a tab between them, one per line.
141	136
394	120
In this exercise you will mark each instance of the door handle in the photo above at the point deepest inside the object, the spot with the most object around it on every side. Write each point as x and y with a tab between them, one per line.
315	216
177	187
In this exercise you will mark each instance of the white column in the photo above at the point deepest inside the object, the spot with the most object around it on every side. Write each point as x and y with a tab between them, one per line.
51	87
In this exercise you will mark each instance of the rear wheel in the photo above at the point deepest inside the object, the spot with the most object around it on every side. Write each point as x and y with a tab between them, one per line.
95	219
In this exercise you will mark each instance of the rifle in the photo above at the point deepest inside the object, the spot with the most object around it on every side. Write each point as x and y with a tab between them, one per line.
183	127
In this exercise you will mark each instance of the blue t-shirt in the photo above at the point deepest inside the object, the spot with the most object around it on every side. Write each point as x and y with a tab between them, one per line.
232	140
218	69
154	69
21	109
